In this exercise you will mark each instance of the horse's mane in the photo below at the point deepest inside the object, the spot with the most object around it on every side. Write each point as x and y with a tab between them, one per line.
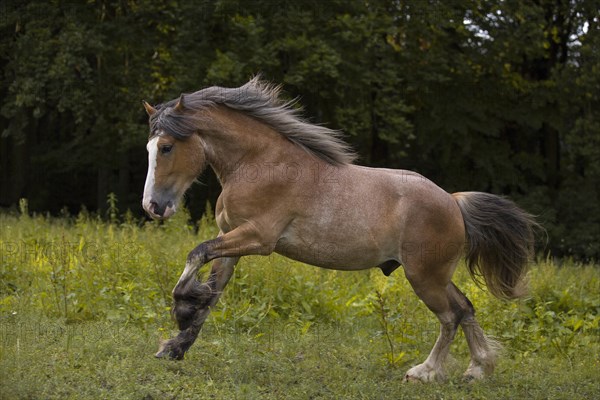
260	100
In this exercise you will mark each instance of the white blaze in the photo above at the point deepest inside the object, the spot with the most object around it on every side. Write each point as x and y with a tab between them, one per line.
152	148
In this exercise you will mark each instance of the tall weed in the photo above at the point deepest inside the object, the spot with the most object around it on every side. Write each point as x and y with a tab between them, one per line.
123	269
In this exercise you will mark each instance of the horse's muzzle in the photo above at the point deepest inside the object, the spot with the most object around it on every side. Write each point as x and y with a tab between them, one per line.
159	211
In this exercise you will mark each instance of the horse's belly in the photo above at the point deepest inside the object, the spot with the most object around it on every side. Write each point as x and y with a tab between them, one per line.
332	254
368	218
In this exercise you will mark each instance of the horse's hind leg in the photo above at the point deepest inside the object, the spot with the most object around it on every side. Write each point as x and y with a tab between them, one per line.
483	350
440	295
437	300
452	308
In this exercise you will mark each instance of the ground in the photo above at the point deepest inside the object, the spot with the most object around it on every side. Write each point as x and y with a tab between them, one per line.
49	359
84	304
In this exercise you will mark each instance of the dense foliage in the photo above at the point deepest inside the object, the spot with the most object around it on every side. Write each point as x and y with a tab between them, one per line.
83	303
499	96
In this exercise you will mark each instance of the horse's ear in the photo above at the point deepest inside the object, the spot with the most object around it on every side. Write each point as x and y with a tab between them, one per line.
149	109
180	106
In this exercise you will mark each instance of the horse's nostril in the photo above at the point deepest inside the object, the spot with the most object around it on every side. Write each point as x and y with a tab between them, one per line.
156	209
153	208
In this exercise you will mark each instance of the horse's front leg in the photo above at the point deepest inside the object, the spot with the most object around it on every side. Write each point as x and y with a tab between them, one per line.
192	299
192	303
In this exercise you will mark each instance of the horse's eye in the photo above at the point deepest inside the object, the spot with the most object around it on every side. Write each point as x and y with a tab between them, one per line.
166	149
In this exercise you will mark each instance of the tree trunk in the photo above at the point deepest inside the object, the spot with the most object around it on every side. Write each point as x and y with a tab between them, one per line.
102	188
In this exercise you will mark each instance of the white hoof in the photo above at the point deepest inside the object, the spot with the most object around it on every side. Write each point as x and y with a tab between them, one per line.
477	372
424	373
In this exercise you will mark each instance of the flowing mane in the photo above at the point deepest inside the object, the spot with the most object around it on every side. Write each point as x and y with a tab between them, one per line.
260	100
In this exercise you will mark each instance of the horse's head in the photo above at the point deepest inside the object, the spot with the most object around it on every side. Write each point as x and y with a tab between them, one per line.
175	158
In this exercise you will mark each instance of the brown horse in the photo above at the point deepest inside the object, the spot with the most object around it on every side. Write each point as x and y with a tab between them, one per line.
290	187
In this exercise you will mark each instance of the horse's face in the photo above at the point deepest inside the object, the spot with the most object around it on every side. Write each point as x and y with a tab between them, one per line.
172	167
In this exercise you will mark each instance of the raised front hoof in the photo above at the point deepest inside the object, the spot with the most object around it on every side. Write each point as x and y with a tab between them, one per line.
170	351
423	374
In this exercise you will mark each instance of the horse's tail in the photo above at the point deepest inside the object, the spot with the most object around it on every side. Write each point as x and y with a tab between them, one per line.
500	240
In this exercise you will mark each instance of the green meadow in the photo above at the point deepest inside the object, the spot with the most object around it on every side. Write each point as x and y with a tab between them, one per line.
84	302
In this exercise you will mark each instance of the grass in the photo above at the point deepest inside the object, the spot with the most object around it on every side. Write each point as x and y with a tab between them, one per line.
84	303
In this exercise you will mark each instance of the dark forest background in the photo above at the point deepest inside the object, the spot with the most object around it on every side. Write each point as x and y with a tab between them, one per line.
500	96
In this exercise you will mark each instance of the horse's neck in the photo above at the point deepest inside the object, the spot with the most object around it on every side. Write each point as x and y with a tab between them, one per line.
236	143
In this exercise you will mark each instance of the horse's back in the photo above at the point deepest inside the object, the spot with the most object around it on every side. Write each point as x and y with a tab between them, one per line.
363	217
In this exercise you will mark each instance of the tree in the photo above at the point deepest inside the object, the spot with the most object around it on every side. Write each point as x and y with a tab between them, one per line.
496	95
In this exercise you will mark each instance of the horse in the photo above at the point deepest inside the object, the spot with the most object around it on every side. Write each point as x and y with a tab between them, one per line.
291	187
